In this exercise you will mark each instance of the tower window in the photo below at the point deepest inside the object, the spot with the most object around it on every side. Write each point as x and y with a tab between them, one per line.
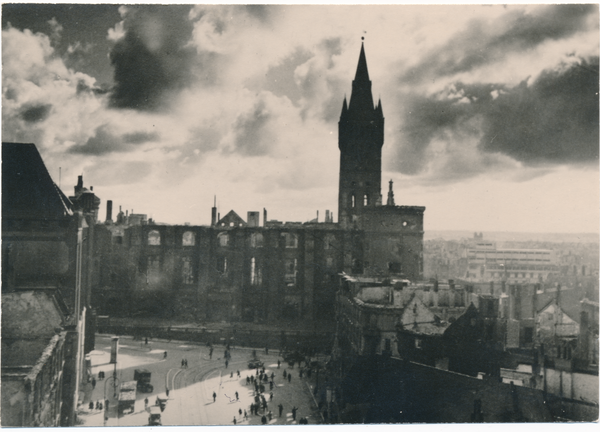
154	238
366	200
353	201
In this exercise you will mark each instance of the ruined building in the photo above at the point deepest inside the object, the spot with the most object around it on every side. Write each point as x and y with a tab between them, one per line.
242	270
47	256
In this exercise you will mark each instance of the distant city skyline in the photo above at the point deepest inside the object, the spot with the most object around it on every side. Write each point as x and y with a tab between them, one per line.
491	112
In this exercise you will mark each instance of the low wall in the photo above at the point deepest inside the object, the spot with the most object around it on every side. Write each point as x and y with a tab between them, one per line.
272	339
403	392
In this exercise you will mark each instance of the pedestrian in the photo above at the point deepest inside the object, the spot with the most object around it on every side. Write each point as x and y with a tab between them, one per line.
270	416
271	385
210	353
285	373
245	415
234	420
146	403
237	396
226	363
238	374
100	406
231	376
93	383
252	409
270	396
146	341
247	380
263	420
267	350
289	378
252	379
240	412
91	405
278	363
165	355
280	409
272	376
294	410
182	363
167	391
214	397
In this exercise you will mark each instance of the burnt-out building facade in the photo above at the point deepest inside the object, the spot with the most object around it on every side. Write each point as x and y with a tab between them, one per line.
232	273
245	270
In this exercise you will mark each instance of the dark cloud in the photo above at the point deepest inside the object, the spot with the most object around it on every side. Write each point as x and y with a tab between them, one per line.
554	120
252	135
104	142
481	43
261	12
140	137
36	113
154	57
551	121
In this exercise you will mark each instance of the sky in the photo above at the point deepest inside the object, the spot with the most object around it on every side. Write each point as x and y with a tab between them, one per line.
491	111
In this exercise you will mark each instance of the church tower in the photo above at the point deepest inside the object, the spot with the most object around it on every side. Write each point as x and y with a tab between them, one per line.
360	138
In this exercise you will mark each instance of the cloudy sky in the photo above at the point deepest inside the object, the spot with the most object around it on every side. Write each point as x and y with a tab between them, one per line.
491	112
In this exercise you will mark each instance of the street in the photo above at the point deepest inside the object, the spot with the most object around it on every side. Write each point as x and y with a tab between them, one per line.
190	395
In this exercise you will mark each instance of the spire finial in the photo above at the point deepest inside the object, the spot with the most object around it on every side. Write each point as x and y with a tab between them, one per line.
390	200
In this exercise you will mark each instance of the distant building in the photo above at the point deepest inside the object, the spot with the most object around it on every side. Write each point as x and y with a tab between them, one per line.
485	263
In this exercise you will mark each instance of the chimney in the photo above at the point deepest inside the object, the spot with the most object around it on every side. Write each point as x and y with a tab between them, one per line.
109	211
253	218
326	216
213	213
79	185
91	188
317	216
264	216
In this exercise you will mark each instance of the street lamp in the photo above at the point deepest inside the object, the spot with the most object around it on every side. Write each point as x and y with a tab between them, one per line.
115	384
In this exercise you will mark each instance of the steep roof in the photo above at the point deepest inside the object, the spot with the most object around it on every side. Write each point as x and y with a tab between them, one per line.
28	191
231	219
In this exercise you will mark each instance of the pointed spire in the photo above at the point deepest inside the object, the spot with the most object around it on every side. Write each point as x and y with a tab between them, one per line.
361	100
379	108
390	199
362	73
344	107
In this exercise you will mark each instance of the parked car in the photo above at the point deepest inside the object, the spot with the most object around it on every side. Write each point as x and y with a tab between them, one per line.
143	378
255	363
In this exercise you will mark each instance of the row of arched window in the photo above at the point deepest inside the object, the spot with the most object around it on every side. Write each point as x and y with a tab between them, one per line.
256	239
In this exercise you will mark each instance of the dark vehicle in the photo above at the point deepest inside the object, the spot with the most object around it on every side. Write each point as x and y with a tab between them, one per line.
255	363
154	417
143	377
293	357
